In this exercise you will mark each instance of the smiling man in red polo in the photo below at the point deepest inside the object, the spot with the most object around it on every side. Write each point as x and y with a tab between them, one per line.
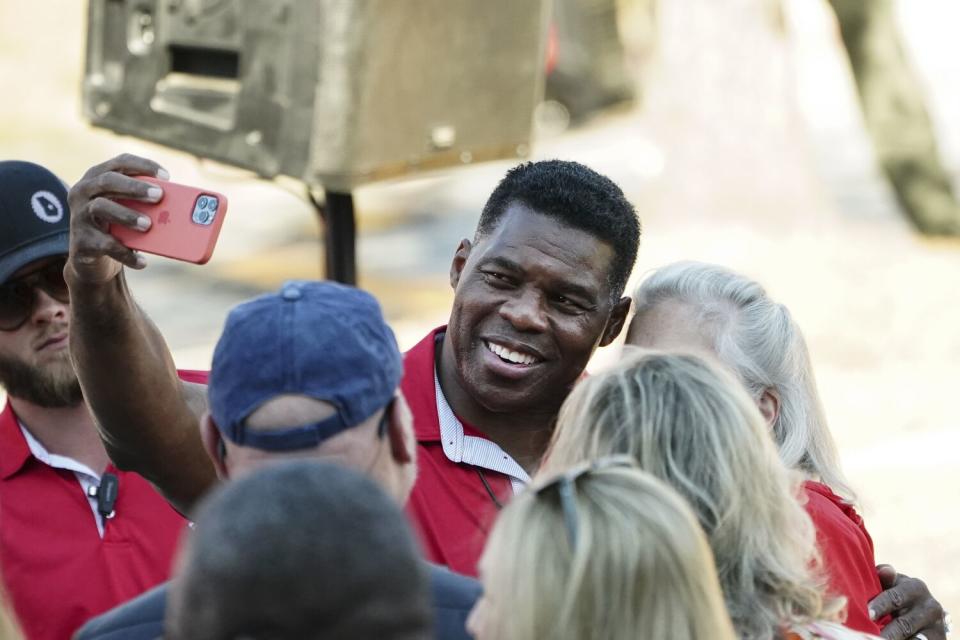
538	289
536	292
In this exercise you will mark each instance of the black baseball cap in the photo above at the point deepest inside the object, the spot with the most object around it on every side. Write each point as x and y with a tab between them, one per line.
34	217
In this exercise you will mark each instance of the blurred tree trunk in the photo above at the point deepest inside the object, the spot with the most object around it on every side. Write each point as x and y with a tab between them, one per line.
895	114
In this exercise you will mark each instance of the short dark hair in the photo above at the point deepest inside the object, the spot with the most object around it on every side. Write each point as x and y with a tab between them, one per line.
576	196
301	549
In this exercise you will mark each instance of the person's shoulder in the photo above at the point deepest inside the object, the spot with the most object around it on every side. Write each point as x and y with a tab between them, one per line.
138	619
829	631
827	509
422	353
453	597
818	503
452	590
194	375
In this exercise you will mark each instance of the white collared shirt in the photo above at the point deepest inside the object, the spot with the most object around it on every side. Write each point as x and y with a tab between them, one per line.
479	452
85	476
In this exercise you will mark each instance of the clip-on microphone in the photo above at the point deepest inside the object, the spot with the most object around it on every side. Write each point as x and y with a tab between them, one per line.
106	494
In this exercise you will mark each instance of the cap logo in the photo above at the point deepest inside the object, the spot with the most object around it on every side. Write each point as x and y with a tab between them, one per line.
47	207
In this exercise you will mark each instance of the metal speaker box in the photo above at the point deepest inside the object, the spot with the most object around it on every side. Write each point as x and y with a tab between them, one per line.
334	92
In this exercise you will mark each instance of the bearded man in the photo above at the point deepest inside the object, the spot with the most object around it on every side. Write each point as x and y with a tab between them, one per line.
78	535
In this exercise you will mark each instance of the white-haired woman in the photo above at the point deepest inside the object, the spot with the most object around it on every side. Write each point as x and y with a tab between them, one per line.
604	552
690	424
704	308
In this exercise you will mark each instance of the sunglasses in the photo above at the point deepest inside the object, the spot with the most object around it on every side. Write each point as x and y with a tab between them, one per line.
566	486
18	297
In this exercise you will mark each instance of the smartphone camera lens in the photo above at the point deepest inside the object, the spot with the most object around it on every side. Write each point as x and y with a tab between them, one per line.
205	210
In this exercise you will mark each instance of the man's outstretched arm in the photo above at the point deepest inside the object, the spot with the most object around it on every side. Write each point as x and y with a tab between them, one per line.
147	418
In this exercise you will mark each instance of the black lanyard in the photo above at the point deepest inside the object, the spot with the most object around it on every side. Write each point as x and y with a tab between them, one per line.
486	485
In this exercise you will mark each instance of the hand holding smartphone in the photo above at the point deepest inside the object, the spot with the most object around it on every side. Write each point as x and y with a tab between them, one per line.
185	223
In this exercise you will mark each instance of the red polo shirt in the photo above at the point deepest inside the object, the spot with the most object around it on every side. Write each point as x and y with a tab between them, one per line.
57	570
450	507
847	552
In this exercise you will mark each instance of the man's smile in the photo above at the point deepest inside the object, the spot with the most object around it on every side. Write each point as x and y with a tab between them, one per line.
515	355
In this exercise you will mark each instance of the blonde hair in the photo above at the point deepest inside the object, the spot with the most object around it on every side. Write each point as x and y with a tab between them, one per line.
640	567
9	629
691	424
757	338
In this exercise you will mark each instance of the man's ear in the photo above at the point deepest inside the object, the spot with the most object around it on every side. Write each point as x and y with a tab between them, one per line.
214	444
459	260
617	319
400	432
769	405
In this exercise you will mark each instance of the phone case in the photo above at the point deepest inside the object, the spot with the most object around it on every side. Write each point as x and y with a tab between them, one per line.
186	222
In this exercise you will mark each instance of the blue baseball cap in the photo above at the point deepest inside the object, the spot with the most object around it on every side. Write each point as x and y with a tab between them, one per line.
317	339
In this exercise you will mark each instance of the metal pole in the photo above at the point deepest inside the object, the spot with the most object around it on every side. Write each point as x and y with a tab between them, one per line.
339	235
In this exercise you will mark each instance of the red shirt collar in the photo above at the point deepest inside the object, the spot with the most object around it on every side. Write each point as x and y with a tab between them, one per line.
14	451
419	389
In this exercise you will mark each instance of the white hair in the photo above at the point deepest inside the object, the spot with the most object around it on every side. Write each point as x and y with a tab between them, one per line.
759	340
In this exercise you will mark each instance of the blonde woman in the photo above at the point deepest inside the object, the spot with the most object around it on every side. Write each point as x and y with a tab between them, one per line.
705	308
690	424
604	552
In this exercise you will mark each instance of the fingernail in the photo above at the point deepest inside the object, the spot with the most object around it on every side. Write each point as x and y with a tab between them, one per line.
143	223
86	259
154	193
872	614
141	261
163	174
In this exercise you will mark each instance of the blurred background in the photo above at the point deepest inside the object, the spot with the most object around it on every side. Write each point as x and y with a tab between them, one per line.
737	129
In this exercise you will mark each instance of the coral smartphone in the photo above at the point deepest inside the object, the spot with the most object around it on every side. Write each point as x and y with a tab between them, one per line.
186	222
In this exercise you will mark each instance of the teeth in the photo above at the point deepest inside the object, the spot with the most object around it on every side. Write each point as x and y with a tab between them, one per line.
510	356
